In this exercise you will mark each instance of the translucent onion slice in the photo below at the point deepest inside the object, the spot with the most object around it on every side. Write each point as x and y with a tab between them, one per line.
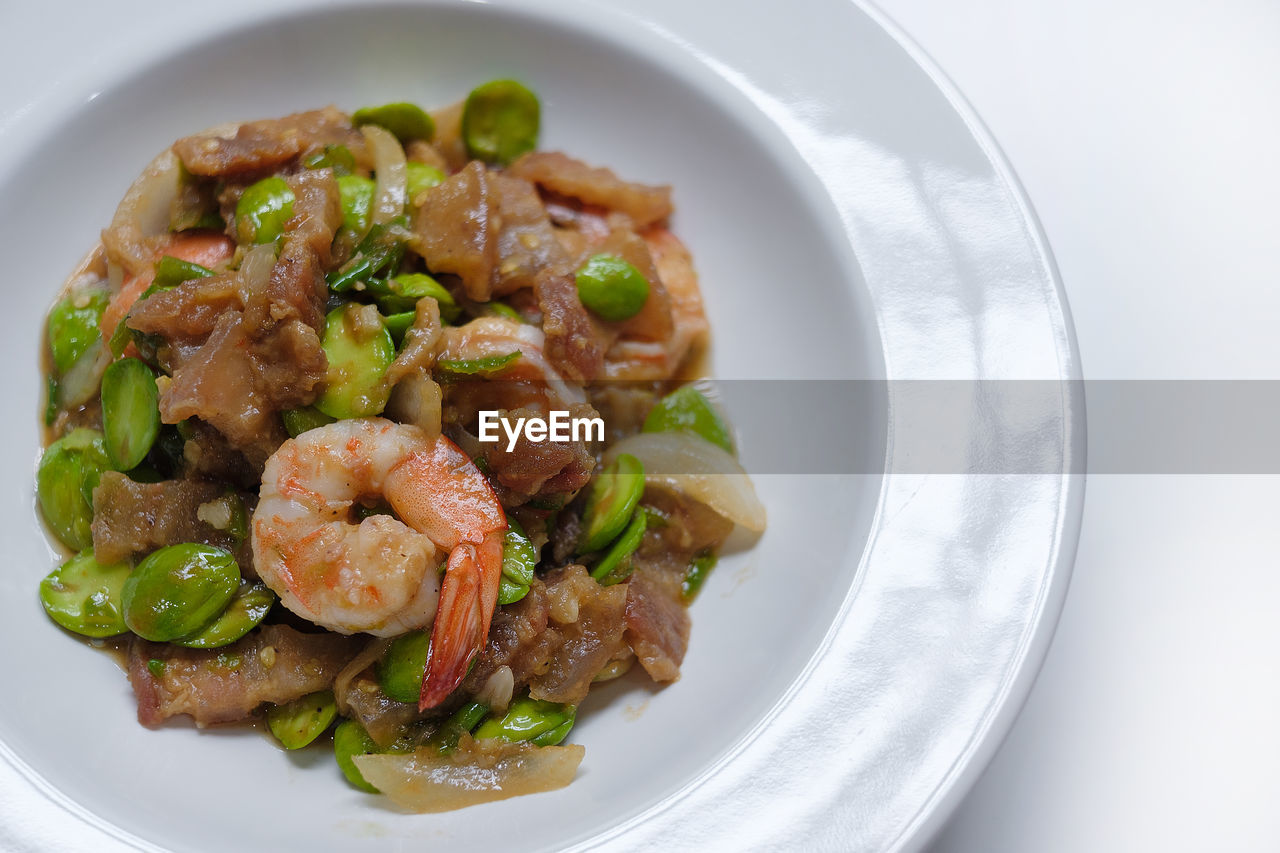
144	212
85	376
255	270
145	209
695	467
391	175
479	772
359	664
147	202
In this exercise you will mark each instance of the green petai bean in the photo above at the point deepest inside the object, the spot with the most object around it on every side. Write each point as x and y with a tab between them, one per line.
687	409
68	473
179	590
356	194
296	724
519	558
248	607
542	723
130	412
509	591
611	288
263	209
350	739
402	667
298	421
615	566
360	350
611	502
500	121
421	177
74	326
402	293
336	157
406	121
82	595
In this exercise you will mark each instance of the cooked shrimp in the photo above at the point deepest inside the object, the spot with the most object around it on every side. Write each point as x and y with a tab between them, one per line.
485	337
379	575
642	360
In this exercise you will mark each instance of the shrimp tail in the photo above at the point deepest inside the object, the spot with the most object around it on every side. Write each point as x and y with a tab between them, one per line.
468	597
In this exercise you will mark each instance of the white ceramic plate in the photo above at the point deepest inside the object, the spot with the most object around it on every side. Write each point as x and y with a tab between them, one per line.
849	675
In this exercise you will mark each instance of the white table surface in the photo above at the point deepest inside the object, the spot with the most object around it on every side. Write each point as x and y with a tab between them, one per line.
1147	135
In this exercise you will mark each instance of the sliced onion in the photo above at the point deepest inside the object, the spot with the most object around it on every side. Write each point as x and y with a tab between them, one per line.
416	400
391	175
425	781
83	380
693	466
150	197
255	270
358	664
144	212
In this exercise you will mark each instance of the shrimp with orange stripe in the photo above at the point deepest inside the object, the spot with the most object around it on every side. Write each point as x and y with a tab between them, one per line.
379	574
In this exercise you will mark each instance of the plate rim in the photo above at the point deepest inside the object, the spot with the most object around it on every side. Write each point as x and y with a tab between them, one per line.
969	767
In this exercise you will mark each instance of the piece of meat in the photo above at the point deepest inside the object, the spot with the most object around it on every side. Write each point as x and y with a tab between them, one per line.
454	230
518	638
578	225
207	455
526	242
653	322
272	664
218	383
421	344
289	365
131	519
421	151
261	353
574	335
541	467
259	146
557	638
188	312
657	617
382	717
206	248
657	622
590	620
285	318
562	174
688	527
575	340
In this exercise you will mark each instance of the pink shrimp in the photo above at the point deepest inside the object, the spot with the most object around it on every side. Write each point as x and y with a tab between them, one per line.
379	575
632	359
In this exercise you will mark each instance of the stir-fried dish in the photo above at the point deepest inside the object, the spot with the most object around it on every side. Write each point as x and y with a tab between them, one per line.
380	424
